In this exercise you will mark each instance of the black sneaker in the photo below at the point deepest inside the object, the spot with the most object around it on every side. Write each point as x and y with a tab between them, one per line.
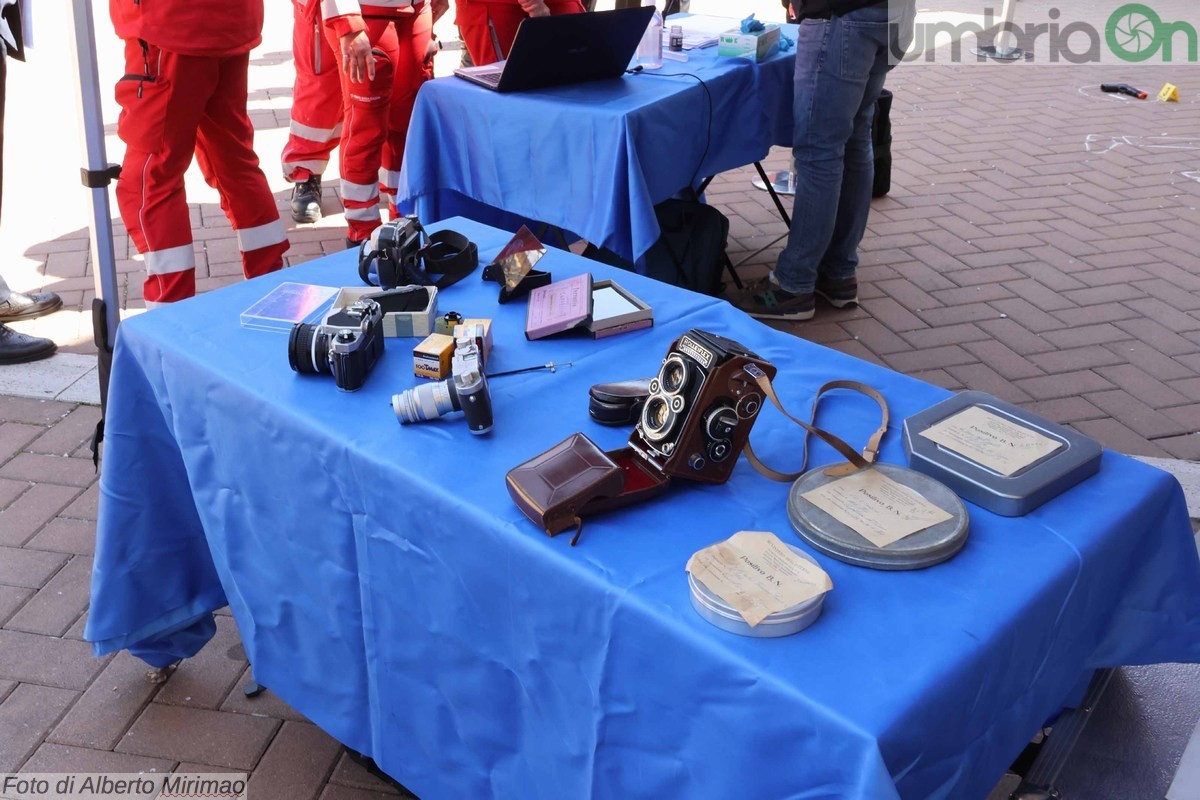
778	303
839	294
306	200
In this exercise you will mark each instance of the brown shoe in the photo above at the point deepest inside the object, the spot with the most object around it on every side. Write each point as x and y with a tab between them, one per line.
17	348
28	306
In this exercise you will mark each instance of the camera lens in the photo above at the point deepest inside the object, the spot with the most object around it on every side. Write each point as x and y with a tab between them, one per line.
308	350
657	418
674	375
425	402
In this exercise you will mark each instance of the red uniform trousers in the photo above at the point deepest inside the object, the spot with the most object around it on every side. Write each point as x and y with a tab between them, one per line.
172	106
472	18
377	114
316	125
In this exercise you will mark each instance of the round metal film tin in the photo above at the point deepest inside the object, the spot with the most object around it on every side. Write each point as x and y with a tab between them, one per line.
782	623
922	549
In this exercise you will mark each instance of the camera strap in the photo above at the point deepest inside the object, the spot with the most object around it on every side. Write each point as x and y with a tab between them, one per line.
856	462
451	255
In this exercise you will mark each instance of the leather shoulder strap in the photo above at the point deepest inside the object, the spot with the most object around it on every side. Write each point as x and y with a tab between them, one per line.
856	462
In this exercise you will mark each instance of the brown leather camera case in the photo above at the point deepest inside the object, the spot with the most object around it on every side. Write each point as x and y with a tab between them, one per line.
575	478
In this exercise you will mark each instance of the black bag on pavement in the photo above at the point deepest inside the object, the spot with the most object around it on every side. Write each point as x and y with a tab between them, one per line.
691	250
881	137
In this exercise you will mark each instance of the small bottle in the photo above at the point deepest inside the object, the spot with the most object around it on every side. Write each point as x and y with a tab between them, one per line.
677	38
649	52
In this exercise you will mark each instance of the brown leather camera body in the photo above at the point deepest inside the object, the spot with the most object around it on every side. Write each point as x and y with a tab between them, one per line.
694	425
702	405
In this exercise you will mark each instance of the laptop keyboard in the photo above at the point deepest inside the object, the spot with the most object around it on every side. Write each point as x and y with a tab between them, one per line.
490	78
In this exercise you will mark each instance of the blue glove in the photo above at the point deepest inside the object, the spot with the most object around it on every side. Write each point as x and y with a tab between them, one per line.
751	25
786	42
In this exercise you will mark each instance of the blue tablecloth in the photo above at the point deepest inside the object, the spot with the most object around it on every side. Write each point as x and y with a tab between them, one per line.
593	158
386	586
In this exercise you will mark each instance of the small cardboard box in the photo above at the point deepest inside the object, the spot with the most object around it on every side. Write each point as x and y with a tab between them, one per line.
402	318
431	358
754	46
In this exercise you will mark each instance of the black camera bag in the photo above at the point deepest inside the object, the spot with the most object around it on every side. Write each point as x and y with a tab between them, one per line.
691	250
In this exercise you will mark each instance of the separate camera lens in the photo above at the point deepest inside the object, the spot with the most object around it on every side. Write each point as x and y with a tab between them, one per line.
308	350
674	375
425	402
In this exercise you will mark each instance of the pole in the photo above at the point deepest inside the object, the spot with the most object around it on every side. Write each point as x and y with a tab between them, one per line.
1005	47
96	175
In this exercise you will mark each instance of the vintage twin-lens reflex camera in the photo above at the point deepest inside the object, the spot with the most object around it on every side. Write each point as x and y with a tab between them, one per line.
466	389
694	424
346	344
702	404
393	254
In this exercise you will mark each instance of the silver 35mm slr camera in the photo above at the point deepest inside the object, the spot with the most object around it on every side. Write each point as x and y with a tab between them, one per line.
346	344
466	389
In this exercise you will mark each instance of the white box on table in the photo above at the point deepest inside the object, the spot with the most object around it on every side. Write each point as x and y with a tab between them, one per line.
396	324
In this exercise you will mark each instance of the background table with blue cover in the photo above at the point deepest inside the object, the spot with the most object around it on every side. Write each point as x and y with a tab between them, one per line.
594	158
387	587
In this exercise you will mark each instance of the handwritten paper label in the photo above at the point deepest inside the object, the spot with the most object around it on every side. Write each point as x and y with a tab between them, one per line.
757	575
875	506
997	443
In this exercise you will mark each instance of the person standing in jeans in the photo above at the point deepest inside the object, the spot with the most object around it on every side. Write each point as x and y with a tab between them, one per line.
844	52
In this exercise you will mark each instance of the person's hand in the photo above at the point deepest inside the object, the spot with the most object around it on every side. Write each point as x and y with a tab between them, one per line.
356	57
535	8
439	7
432	50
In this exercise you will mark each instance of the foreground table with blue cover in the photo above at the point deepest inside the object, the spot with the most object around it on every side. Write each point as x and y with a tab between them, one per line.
386	586
594	158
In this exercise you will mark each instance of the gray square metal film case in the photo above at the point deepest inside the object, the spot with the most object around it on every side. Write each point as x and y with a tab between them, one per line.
1077	459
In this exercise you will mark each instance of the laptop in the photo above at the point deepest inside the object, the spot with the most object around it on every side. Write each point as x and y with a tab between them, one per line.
564	49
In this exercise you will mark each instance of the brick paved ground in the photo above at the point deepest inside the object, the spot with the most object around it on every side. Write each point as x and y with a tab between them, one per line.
1039	243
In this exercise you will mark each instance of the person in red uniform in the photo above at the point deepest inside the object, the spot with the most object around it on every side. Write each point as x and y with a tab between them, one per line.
316	125
476	19
387	49
184	93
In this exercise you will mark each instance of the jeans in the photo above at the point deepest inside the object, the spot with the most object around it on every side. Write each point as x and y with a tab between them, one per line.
841	64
